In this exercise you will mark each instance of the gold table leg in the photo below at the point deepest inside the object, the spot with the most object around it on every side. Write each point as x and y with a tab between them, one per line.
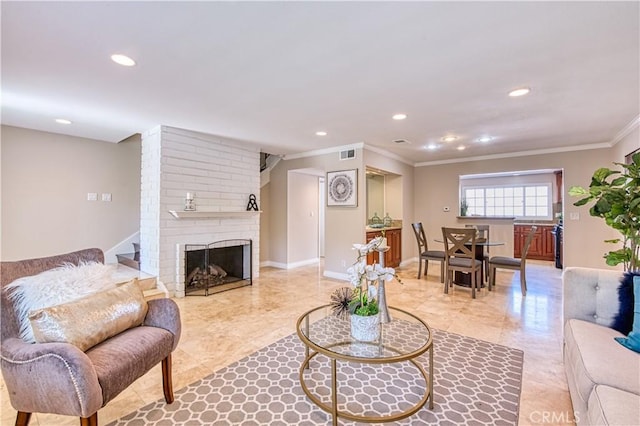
431	377
334	391
306	330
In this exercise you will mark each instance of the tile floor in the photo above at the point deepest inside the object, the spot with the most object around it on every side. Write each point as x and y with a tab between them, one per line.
225	327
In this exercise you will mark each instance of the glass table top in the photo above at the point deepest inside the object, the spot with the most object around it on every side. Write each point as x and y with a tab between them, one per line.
405	337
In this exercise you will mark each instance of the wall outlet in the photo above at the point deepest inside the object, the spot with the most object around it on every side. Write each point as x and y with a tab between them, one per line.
344	263
446	209
574	216
106	197
92	196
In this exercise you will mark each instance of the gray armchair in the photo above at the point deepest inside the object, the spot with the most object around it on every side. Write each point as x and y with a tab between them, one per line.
59	378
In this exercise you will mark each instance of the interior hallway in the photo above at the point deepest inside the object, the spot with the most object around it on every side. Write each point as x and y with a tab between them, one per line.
225	327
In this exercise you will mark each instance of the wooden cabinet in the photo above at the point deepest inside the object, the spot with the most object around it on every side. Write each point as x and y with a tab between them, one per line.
393	256
541	246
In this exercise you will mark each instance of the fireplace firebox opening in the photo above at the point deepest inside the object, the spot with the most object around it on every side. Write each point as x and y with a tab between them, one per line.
212	268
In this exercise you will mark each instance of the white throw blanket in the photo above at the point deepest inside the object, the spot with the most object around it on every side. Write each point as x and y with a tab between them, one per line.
57	286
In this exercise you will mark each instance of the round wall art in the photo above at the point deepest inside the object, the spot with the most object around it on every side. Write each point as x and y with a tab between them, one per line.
342	188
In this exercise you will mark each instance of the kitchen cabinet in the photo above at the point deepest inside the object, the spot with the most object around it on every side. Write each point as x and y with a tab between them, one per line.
393	256
541	247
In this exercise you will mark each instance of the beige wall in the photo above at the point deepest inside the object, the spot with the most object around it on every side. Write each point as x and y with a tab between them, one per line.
343	225
375	196
45	181
265	229
303	218
627	145
399	197
437	186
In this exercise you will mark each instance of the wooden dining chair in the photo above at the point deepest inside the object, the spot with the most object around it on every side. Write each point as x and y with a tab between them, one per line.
425	253
483	232
513	263
460	256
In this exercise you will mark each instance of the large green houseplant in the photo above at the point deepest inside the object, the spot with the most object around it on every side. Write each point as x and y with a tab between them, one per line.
616	198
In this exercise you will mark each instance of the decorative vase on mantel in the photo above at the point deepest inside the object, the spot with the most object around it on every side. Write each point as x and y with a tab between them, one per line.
365	329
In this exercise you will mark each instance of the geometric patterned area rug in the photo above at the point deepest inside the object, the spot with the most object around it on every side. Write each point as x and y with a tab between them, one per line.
476	383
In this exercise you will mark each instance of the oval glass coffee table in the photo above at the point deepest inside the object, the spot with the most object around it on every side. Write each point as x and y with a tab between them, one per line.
402	340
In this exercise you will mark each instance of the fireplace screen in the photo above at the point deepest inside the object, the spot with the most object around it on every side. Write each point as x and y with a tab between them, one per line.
212	268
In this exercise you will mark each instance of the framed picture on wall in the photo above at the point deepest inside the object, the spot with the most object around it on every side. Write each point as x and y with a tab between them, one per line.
342	188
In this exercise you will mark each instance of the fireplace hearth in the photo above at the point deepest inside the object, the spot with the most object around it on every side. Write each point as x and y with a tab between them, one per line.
219	266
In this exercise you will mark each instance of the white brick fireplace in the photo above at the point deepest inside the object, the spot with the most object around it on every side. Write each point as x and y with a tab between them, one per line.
221	172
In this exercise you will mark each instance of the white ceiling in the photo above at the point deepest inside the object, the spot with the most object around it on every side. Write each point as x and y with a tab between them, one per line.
274	73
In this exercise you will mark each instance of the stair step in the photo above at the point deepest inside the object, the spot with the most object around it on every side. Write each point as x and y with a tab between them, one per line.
149	284
155	293
131	260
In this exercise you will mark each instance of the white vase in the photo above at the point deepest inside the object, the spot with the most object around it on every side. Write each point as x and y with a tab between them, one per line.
365	329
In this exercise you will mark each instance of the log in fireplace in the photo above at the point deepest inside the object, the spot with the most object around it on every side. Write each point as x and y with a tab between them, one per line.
212	268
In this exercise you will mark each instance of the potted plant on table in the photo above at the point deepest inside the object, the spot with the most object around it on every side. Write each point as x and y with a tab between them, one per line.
367	302
617	201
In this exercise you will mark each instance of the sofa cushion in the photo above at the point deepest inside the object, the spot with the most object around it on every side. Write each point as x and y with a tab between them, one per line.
88	321
611	406
596	359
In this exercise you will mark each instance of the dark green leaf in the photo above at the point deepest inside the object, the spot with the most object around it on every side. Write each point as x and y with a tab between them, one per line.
582	202
619	181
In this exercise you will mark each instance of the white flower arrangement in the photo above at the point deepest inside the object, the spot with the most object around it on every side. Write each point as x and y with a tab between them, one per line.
360	275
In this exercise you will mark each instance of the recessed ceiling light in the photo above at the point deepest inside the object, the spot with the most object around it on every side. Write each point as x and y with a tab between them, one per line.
400	116
321	133
123	60
484	139
432	146
450	138
519	92
461	148
62	121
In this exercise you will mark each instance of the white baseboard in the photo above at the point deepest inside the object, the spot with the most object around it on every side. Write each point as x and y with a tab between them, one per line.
336	275
408	261
289	265
270	263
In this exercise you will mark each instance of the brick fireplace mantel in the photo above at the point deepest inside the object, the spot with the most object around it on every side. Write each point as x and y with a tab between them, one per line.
181	214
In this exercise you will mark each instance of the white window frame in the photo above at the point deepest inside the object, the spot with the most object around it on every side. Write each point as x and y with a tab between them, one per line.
524	186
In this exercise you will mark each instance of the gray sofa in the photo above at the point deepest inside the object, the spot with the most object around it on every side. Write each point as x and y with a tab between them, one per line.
603	375
58	377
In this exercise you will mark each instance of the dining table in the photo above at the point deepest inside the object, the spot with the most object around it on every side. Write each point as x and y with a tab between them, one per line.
463	278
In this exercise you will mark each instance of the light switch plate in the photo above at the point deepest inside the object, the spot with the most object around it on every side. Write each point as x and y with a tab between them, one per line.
106	197
92	196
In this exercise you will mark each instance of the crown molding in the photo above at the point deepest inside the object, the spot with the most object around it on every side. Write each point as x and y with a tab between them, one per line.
631	126
626	130
389	154
322	151
518	154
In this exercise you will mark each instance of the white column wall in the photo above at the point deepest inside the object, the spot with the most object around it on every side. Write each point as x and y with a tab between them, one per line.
221	172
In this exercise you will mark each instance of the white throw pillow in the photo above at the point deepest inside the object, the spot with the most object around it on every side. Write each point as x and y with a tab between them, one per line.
57	286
